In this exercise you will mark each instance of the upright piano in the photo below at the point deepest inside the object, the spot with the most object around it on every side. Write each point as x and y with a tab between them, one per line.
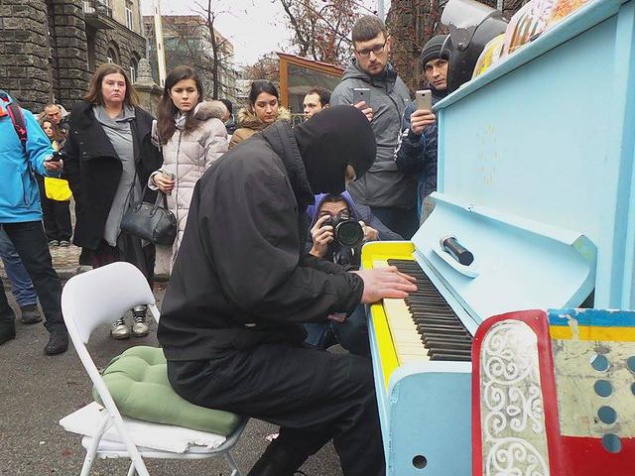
536	181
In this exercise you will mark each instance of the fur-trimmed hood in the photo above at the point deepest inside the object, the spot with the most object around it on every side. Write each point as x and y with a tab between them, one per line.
208	109
248	119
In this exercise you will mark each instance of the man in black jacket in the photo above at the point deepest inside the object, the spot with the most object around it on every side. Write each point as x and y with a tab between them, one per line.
242	287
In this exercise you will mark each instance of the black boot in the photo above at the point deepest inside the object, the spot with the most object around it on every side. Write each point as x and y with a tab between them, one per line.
58	343
275	461
7	330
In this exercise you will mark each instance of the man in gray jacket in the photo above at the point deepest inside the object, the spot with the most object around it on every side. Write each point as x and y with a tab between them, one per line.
390	194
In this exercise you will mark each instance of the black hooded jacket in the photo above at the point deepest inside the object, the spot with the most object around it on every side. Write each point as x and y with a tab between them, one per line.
241	277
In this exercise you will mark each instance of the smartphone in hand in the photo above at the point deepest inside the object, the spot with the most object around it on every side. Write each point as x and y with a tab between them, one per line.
361	94
56	157
423	99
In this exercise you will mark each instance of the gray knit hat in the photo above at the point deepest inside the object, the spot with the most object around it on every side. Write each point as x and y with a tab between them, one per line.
432	49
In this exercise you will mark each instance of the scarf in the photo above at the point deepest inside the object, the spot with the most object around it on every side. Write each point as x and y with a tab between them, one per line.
180	118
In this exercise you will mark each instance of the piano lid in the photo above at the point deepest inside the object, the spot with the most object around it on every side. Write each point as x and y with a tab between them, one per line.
518	263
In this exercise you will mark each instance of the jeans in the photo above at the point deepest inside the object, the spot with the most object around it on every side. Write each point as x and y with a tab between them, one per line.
352	334
32	247
403	221
21	284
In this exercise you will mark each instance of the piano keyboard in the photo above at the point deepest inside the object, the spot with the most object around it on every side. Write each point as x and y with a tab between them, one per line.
424	326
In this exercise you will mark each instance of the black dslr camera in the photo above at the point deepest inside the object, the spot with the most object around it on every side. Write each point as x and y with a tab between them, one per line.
346	231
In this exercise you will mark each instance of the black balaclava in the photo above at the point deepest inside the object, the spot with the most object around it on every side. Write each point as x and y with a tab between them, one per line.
329	141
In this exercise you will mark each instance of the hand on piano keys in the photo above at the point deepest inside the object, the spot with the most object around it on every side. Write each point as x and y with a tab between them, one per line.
389	282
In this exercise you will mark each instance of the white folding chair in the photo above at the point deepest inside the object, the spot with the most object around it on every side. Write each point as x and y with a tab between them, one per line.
99	297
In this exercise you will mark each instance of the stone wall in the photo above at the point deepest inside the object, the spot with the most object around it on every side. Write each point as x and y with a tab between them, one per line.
149	92
69	65
38	68
24	52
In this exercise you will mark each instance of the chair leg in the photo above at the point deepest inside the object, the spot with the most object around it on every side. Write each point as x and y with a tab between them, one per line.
232	464
91	452
88	464
132	471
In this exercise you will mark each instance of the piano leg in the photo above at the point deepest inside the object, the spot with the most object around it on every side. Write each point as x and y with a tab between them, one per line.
430	420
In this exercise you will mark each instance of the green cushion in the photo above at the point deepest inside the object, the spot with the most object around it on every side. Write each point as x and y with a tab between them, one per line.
138	382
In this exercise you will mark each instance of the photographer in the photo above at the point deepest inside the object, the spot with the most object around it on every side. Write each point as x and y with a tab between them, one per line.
339	229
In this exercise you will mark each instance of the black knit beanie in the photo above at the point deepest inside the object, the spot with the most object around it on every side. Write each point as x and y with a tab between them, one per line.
432	49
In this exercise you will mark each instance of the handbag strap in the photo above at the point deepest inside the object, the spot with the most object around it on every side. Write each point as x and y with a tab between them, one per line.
160	195
137	204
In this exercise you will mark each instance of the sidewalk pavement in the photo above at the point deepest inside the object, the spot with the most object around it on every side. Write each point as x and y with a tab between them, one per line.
65	261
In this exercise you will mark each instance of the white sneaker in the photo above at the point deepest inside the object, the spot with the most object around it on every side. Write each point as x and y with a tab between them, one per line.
139	326
120	330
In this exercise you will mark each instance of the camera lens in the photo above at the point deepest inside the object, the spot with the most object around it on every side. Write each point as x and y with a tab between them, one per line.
349	233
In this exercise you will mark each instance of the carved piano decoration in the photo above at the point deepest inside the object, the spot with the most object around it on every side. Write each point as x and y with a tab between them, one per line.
554	393
536	181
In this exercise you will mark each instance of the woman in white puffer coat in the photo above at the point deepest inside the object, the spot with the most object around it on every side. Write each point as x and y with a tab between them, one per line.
192	136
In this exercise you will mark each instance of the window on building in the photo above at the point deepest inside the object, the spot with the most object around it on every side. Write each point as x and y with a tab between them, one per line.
134	68
111	56
129	17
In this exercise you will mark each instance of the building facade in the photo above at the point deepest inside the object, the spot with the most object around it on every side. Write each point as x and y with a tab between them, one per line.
50	48
187	40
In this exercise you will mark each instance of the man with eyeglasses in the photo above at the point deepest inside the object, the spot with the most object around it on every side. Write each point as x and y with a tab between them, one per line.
390	194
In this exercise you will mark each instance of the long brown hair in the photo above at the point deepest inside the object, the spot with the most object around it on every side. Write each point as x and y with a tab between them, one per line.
94	96
58	135
167	110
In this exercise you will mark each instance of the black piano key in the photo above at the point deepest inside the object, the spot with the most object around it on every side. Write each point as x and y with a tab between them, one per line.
452	357
456	345
443	337
430	316
450	330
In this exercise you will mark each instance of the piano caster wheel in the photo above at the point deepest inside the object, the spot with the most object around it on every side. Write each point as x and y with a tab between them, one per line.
419	462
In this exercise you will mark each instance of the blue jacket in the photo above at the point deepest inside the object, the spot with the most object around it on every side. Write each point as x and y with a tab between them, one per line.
417	154
19	194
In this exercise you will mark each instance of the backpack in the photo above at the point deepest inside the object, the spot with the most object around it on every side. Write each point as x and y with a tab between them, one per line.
19	124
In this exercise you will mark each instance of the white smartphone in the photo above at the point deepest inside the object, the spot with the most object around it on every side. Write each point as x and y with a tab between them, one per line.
423	99
361	94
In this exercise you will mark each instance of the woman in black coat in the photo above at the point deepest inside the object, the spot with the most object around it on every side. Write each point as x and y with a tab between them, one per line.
109	157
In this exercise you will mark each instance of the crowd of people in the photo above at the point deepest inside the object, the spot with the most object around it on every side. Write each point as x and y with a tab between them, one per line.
261	283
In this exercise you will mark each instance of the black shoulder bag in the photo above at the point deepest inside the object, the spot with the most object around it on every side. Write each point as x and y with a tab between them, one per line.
150	221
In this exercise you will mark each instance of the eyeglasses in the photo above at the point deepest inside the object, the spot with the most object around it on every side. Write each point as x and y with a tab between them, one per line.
376	50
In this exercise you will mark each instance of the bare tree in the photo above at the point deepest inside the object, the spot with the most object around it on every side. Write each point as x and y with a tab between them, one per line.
266	67
216	45
413	22
321	27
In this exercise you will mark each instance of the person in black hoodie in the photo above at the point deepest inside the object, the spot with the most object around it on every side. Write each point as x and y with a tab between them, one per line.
242	286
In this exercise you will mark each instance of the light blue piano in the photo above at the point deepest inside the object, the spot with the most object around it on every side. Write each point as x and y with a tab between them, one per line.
536	180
